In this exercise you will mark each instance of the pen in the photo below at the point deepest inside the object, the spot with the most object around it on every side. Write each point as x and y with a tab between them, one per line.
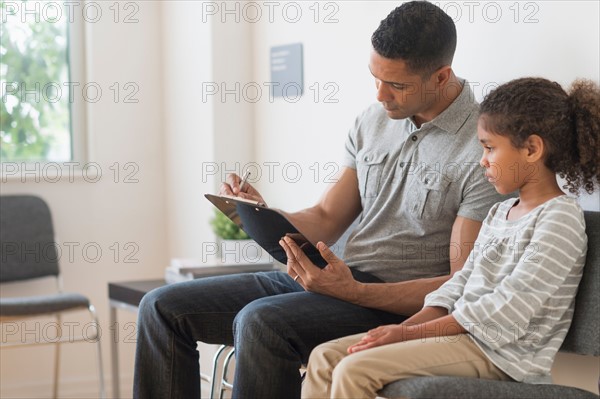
243	183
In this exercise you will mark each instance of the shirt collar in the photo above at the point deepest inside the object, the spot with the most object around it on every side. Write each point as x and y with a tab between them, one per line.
454	117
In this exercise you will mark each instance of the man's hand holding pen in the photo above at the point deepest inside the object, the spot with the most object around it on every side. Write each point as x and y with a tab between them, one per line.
238	187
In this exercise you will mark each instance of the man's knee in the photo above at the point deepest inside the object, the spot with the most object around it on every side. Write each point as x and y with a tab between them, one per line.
148	302
250	323
258	322
154	302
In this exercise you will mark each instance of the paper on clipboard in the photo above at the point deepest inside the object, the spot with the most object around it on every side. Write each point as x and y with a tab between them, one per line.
266	226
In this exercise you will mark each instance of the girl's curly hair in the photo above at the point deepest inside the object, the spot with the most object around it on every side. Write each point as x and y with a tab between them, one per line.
569	124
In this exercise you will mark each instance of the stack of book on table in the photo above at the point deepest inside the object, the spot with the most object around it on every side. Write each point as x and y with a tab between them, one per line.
189	269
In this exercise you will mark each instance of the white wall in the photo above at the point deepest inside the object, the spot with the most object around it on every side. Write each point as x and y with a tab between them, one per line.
186	49
175	134
206	135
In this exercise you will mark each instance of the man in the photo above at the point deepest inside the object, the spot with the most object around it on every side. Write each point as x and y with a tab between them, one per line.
411	174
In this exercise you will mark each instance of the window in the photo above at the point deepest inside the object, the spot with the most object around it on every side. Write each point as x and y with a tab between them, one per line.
41	59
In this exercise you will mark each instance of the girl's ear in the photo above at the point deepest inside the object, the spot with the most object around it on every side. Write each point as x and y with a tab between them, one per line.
535	148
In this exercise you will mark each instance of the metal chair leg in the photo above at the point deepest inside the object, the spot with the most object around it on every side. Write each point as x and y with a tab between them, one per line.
220	372
215	369
57	357
224	383
99	350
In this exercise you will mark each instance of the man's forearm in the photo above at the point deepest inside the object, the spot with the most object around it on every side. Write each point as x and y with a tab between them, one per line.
404	297
316	225
407	297
335	211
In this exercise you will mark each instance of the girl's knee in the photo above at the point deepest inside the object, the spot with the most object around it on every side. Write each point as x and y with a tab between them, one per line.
322	353
351	368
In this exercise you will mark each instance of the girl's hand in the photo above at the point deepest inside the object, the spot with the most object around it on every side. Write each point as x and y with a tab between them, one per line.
380	336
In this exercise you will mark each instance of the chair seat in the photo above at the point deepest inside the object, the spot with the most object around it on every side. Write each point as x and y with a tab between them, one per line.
43	304
474	388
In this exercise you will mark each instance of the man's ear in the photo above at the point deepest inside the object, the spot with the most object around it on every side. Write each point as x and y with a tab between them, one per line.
442	75
535	148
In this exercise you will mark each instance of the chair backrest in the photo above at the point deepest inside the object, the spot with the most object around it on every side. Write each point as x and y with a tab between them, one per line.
584	335
27	242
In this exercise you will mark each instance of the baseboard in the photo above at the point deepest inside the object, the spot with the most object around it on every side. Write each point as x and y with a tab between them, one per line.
68	388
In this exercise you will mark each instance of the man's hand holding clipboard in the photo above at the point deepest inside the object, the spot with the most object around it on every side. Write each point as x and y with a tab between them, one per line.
335	279
312	265
244	205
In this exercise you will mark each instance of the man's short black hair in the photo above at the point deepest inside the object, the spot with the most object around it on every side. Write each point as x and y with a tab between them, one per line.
420	34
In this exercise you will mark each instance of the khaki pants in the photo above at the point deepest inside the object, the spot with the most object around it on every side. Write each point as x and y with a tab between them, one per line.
332	373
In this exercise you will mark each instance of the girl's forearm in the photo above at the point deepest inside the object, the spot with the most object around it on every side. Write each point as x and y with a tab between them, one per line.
441	326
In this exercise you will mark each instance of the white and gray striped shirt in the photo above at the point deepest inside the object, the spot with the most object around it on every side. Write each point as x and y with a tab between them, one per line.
516	292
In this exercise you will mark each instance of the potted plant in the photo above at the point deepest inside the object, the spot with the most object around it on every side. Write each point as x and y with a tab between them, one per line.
225	229
234	245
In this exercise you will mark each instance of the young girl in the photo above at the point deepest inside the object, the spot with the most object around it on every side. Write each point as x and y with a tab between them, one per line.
506	313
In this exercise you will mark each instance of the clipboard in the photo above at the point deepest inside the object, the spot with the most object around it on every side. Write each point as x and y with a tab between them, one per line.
266	226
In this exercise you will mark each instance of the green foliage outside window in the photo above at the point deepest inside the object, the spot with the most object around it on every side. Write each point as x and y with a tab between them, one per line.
35	103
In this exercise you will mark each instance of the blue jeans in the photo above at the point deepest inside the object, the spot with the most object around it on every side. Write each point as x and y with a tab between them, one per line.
273	322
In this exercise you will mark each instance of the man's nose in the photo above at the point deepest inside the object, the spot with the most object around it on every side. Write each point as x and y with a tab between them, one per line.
383	93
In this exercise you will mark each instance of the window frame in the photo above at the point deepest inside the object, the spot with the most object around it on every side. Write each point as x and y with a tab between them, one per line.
76	58
20	169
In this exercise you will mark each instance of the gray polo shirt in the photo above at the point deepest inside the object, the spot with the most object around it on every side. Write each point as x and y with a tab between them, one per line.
413	183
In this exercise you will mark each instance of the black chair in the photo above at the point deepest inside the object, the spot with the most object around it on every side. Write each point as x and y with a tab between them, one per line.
583	339
29	252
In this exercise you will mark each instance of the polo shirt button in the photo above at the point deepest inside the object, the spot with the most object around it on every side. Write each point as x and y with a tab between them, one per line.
427	181
414	138
402	164
366	158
